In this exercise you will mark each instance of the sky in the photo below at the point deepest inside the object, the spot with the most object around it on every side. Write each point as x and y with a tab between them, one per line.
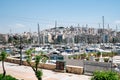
18	16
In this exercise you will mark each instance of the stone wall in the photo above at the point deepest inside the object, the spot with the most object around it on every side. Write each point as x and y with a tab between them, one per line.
69	68
74	69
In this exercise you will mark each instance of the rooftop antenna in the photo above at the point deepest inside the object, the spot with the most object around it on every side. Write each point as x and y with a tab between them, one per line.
116	28
82	26
108	26
109	34
55	27
86	25
30	30
55	30
78	25
10	31
30	34
99	25
103	23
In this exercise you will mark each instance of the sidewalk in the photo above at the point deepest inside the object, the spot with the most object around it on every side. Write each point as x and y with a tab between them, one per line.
26	73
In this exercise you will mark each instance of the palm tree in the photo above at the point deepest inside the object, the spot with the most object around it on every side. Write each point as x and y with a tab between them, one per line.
3	56
38	58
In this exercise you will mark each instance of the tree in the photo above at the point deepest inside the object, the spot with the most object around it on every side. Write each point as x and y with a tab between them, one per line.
16	40
10	39
3	56
76	39
38	58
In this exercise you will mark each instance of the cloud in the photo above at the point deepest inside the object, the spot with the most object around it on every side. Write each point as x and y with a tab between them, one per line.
117	22
18	25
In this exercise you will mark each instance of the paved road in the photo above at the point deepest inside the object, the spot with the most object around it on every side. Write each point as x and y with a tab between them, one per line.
26	73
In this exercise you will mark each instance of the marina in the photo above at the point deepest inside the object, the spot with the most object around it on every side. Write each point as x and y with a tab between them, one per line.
60	40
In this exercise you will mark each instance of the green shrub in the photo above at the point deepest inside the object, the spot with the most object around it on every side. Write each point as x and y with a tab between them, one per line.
105	75
91	53
74	57
83	56
7	77
69	57
106	59
105	54
112	54
87	58
97	59
98	54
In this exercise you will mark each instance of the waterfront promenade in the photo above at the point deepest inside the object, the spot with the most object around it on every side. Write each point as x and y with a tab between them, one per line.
26	73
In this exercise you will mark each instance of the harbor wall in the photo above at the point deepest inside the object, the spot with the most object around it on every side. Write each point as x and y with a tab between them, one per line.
49	66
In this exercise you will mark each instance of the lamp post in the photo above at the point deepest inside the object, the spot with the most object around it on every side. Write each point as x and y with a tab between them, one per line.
21	47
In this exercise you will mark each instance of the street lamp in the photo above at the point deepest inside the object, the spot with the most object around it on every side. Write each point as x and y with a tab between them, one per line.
21	47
